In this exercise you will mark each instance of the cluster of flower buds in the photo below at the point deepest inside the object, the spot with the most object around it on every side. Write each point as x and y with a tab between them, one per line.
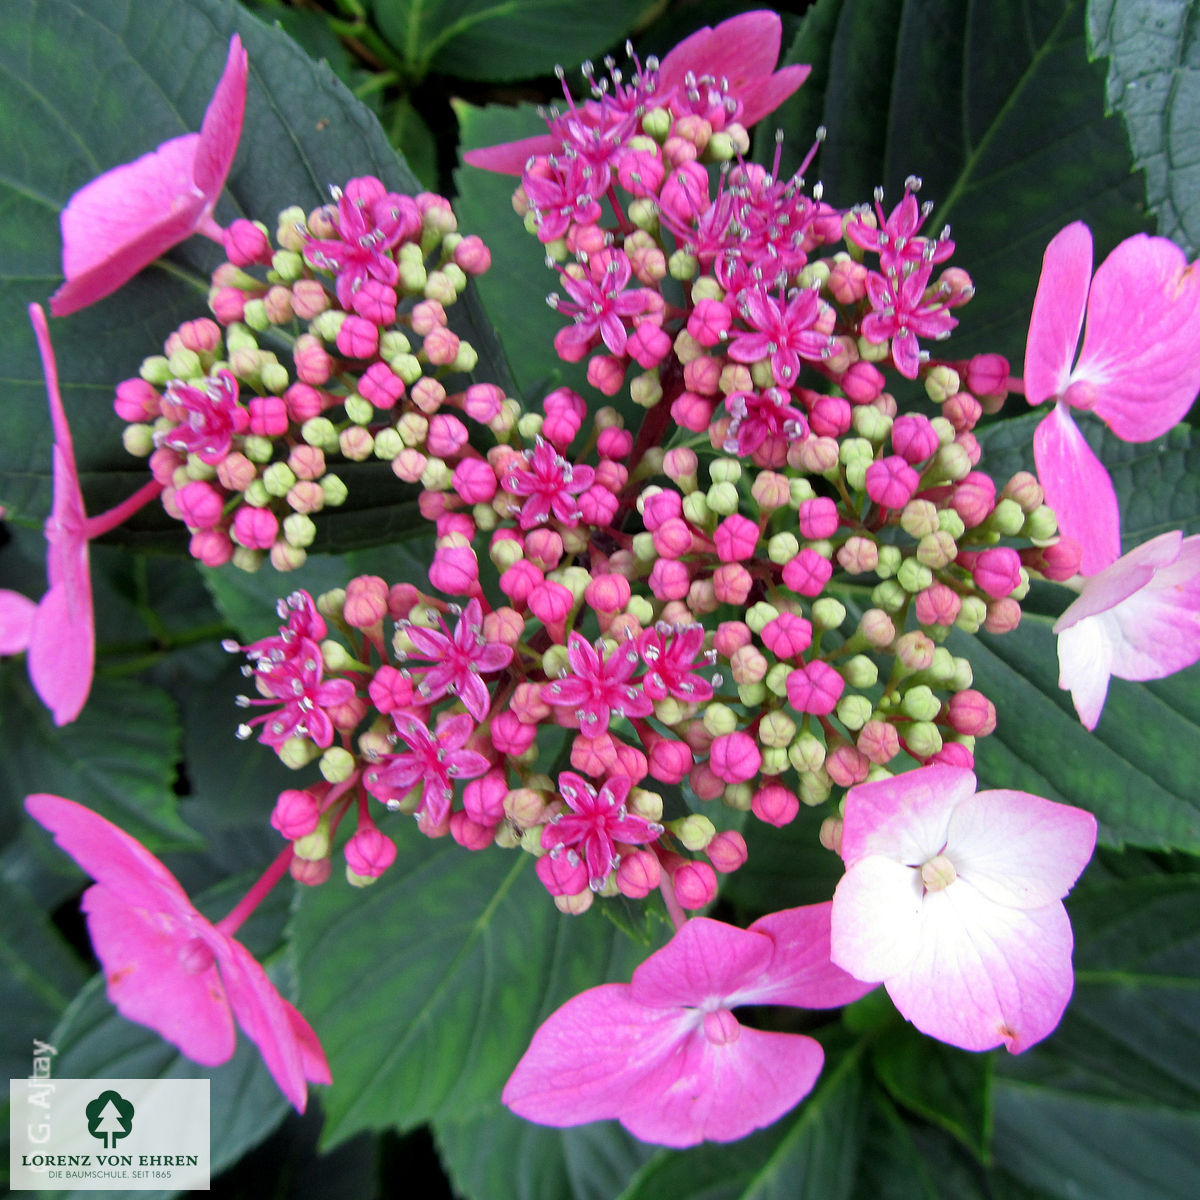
358	291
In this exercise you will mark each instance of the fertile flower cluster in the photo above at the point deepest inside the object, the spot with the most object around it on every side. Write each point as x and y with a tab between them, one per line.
240	441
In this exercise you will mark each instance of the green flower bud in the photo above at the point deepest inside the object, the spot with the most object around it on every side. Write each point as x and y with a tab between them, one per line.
963	676
707	288
669	711
923	739
299	530
254	314
646	389
1022	588
920	703
719	719
138	440
953	462
919	518
828	613
913	576
800	490
328	324
287	265
359	410
1040	525
256	495
936	550
776	729
855	449
814	274
782	548
530	425
890	558
278	479
943	429
872	351
854	711
642	546
406	367
335	490
643	214
185	364
554	661
972	614
738	796
774	760
295	753
950	522
725	470
645	804
941	383
752	694
723	498
870	423
777	677
696	510
388	444
889	596
760	614
683	266
942	669
466	360
291	228
156	370
413	276
694	831
331	603
815	788
315	846
807	753
437	475
198	469
1007	518
762	374
318	431
861	672
274	378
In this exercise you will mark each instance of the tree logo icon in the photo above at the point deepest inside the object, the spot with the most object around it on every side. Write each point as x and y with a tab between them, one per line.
109	1117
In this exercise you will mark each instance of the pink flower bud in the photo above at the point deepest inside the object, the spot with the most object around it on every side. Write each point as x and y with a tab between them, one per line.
310	872
380	385
807	573
692	412
735	757
736	537
482	402
732	584
228	304
510	736
201	336
954	754
519	581
562	874
879	741
307	462
997	571
647	345
303	402
938	605
818	518
441	346
247	244
891	482
863	382
472	256
137	401
973	498
962	410
605	372
914	438
987	375
775	805
915	651
673	538
638	874
483	799
306	496
296	813
550	602
268	416
598	506
829	417
669	579
971	712
543	548
593	756
727	851
847	765
614	443
848	281
313	363
970	444
454	570
815	688
787	635
369	853
669	760
390	690
474	481
608	593
631	762
447	435
709	322
730	636
358	337
661	507
1058	561
212	547
200	504
470	834
815	455
255	528
366	601
705	782
1003	615
695	884
309	299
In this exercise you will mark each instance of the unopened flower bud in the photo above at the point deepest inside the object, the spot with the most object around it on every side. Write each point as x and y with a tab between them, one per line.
1025	490
1040	525
694	832
913	576
914	651
860	672
922	739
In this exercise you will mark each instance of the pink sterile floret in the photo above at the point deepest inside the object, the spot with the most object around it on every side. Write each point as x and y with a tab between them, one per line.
594	821
168	967
1137	619
666	1056
953	899
124	219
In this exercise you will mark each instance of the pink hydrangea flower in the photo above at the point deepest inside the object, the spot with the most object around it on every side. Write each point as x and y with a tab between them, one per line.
168	967
1138	371
595	820
59	632
953	900
665	1054
900	311
551	483
1137	619
209	417
124	219
670	653
782	331
597	686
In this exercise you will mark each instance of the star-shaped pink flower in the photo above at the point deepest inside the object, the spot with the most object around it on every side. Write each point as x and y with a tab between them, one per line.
599	686
124	219
167	966
669	652
665	1055
952	899
1137	619
1138	370
551	483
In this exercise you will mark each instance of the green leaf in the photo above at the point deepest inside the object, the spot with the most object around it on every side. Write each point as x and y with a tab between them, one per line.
501	39
498	1154
812	1155
995	106
429	1019
1154	83
303	132
946	1086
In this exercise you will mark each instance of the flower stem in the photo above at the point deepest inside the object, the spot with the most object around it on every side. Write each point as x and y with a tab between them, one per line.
255	896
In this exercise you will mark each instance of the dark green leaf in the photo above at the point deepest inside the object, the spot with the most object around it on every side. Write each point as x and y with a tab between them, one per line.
1154	83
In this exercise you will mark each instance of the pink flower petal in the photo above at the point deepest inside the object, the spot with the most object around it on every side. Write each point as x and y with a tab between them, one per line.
1020	850
222	126
510	158
1084	669
801	972
1078	488
1058	313
1140	349
140	952
741	50
766	95
876	922
62	648
16	618
720	1092
1116	583
904	818
986	975
706	960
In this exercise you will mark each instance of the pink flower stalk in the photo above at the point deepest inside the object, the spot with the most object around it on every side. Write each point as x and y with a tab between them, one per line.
370	223
170	968
124	219
595	820
597	687
551	483
1138	371
209	417
727	73
1137	619
433	761
953	899
461	657
665	1054
59	633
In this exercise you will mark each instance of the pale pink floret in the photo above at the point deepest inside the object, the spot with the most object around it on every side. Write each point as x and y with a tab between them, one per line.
1139	369
665	1055
1137	619
167	966
123	220
952	899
